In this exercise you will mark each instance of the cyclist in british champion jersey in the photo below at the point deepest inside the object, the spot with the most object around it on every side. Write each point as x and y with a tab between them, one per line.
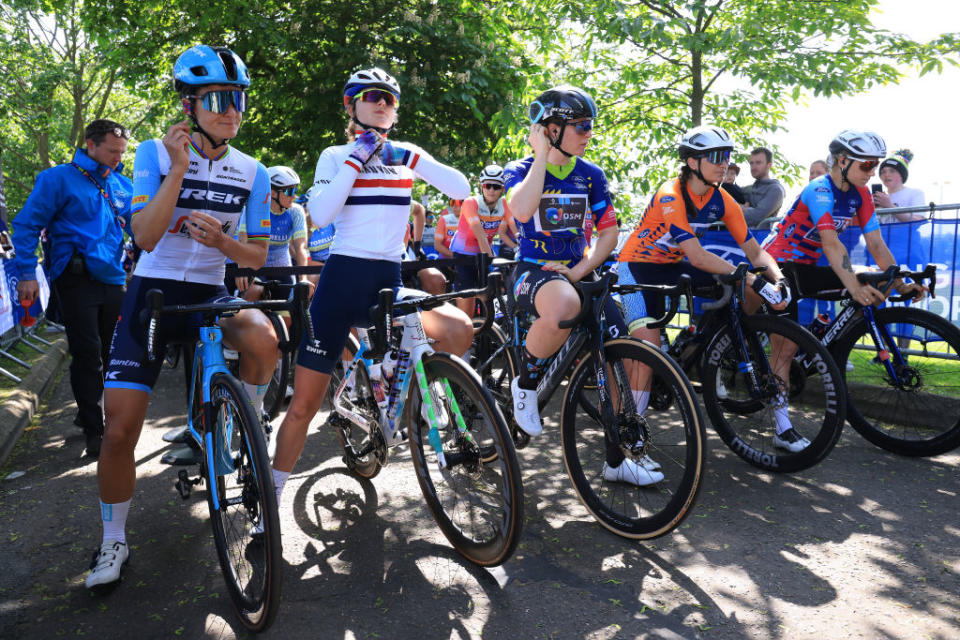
189	193
558	199
364	188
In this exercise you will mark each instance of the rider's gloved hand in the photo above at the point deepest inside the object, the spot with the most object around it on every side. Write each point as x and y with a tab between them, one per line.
785	292
768	291
418	251
392	154
365	146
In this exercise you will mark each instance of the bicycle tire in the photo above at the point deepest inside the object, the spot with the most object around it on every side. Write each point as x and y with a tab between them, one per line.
675	438
747	425
911	419
477	501
354	439
251	564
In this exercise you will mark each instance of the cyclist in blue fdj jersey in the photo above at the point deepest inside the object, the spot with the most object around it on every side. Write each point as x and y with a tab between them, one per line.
364	188
558	199
288	230
189	193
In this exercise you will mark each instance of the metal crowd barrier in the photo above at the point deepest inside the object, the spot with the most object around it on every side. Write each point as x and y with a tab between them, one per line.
27	336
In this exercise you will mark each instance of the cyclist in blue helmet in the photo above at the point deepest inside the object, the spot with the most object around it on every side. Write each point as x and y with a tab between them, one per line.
189	192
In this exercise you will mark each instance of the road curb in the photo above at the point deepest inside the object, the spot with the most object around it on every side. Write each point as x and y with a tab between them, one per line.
18	409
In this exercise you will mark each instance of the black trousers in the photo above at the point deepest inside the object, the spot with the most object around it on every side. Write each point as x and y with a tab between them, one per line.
89	309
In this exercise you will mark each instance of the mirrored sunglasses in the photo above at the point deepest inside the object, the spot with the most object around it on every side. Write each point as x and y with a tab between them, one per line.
289	191
456	203
376	95
583	126
868	165
220	101
717	156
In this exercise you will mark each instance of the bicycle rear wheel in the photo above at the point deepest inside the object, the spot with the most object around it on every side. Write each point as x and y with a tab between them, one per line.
477	498
746	417
277	387
673	437
918	413
243	507
363	452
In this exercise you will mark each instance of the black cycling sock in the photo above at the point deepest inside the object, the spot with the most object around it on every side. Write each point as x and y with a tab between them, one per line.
530	367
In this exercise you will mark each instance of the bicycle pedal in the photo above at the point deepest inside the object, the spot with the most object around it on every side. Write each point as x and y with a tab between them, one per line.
185	484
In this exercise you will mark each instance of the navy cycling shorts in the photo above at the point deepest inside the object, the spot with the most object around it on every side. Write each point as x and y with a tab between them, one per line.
347	288
128	366
529	277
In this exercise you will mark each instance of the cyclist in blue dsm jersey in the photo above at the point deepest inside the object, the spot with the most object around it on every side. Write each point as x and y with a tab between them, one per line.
189	194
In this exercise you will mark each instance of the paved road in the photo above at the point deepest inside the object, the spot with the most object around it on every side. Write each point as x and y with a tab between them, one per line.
867	545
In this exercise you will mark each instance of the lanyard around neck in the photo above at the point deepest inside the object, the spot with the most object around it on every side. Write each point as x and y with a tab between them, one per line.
103	192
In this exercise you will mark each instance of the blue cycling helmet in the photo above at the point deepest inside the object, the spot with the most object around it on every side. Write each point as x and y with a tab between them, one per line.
202	65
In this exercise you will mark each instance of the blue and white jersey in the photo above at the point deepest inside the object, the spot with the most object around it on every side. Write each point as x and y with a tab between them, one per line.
285	227
220	187
320	241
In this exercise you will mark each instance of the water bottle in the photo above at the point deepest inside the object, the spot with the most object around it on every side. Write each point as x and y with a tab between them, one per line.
819	325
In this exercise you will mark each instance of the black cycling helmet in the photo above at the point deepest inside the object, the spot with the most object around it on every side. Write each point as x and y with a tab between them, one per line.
560	105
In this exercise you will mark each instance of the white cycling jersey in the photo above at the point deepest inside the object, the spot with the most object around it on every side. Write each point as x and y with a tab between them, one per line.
370	207
222	188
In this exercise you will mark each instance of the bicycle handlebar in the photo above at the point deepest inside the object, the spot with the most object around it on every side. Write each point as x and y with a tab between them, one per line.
588	291
874	278
382	313
726	281
683	287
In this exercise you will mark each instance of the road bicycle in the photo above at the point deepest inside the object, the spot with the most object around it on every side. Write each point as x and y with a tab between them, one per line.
735	357
233	463
398	388
598	418
904	386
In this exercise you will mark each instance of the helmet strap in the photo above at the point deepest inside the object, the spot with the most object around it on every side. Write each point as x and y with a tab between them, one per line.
559	141
844	170
697	173
213	143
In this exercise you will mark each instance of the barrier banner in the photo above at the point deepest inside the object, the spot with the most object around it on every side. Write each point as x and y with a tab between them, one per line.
914	244
7	301
3	200
20	314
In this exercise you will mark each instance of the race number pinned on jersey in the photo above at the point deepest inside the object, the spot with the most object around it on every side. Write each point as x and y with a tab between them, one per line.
562	211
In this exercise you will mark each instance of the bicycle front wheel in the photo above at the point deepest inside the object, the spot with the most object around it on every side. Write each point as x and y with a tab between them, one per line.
277	387
750	405
915	411
243	504
466	464
673	439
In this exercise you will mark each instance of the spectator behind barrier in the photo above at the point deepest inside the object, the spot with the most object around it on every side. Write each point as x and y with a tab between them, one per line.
730	183
893	174
85	207
764	196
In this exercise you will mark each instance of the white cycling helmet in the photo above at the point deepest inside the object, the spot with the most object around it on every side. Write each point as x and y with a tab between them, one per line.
282	177
492	173
375	78
858	145
700	140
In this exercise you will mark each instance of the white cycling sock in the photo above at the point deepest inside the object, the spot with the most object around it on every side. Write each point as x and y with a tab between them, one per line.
256	393
781	414
280	479
641	399
114	517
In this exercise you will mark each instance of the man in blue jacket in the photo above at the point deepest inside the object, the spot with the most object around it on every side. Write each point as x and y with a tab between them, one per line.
85	207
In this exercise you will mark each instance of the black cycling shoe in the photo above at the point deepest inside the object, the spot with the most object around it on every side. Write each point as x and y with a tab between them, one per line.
93	444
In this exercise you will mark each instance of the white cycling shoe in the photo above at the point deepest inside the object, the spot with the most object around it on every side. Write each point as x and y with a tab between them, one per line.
790	441
525	410
106	563
632	472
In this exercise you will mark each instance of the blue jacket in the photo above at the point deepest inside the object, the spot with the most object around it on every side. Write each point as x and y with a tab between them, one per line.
77	218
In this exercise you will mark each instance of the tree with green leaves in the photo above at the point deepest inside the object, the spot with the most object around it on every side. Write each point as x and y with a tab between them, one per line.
659	67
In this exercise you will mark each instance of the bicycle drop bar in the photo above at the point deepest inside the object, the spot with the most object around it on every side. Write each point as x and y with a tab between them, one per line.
726	281
673	292
874	278
299	307
382	313
589	291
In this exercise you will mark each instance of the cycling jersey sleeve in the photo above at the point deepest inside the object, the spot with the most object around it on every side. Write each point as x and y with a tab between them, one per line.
299	223
242	222
818	198
866	214
734	219
601	206
257	212
332	182
469	210
446	179
146	175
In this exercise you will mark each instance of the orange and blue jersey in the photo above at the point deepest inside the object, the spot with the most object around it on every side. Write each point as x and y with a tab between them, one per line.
666	223
821	205
575	200
447	227
465	241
